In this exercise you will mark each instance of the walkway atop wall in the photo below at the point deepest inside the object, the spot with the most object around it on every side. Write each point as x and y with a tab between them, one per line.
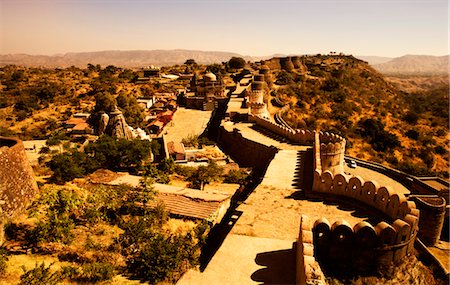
281	172
252	132
382	179
247	260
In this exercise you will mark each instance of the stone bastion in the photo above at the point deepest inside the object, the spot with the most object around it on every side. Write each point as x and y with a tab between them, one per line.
17	182
360	248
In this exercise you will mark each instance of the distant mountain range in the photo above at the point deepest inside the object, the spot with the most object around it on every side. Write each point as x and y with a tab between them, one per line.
415	64
138	58
408	64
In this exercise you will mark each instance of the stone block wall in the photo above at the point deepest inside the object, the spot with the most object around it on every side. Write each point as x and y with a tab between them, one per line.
395	236
17	182
245	152
432	217
308	270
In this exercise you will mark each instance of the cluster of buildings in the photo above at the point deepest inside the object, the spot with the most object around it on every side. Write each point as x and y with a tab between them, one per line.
205	92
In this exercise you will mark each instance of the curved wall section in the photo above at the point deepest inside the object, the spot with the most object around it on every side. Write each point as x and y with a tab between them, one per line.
17	182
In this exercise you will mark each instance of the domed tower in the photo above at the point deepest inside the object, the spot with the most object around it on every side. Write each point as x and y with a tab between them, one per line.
210	77
296	62
265	70
286	64
256	96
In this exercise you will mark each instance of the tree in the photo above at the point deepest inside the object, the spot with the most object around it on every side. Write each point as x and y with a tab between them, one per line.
132	111
66	167
205	175
190	62
236	62
105	102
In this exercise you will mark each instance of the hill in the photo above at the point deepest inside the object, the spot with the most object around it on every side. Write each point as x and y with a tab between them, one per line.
415	64
137	58
344	95
372	60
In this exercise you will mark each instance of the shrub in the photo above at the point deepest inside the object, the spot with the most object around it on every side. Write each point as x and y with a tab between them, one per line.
3	261
236	176
164	258
39	275
95	272
412	134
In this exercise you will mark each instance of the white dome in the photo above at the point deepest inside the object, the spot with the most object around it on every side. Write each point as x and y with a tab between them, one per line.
210	76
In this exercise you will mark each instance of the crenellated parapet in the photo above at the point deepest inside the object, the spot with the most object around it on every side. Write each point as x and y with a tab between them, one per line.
395	236
332	152
255	96
258	109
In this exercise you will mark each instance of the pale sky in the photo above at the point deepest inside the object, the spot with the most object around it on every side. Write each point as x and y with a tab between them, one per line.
248	27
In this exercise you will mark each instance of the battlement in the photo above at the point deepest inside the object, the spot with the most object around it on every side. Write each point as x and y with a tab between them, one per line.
255	96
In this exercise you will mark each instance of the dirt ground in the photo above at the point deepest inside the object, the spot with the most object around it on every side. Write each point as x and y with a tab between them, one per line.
186	122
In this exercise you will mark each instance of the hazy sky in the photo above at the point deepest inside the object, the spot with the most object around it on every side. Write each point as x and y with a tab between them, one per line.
248	27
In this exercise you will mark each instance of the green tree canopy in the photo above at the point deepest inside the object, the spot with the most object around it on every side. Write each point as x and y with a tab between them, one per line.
236	62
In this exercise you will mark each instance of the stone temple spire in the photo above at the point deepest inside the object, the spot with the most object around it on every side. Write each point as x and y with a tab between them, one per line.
117	126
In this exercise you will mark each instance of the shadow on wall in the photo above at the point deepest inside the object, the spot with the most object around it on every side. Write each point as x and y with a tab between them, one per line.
216	237
279	267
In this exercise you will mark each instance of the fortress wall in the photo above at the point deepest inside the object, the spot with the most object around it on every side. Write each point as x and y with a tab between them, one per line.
308	270
432	216
17	182
394	240
304	137
363	247
245	152
332	152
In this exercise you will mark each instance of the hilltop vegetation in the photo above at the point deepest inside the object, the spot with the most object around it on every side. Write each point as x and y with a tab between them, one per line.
35	101
344	95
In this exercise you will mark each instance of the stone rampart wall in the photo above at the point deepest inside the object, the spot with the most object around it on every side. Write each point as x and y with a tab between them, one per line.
432	217
308	270
329	147
245	152
401	215
17	182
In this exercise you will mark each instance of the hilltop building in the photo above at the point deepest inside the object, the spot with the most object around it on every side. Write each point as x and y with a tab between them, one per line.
205	93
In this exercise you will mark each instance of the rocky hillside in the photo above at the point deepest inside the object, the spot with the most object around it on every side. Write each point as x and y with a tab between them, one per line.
415	64
119	58
345	95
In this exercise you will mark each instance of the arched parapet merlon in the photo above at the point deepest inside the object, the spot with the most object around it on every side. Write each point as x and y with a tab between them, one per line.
403	237
365	235
405	208
321	235
369	192
341	244
382	199
393	205
355	186
342	232
386	233
366	239
326	182
413	222
340	183
384	256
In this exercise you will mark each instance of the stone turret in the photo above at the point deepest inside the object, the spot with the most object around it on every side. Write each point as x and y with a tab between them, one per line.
117	126
286	64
